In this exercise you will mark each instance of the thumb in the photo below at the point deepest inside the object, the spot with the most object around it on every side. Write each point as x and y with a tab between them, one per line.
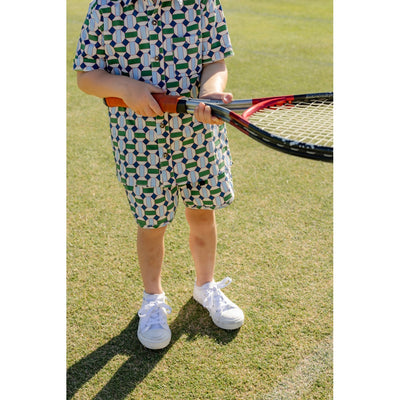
227	98
153	103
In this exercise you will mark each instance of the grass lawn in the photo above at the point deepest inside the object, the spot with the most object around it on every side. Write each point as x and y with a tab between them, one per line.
275	241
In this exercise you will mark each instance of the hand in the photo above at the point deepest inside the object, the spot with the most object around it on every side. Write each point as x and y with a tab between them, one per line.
203	112
139	98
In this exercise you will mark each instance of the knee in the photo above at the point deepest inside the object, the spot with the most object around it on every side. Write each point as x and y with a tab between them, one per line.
200	219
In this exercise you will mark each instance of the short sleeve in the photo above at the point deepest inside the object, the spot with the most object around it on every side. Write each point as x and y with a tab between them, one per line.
216	43
90	49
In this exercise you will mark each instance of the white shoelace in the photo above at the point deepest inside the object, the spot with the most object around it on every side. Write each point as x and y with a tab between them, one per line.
152	314
214	298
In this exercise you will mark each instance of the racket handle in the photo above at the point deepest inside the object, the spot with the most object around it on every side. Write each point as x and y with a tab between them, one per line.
167	102
114	102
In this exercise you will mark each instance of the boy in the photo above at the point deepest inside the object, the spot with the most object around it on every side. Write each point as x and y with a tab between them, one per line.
131	49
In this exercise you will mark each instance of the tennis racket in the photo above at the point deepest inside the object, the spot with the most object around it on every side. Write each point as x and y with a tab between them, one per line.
300	125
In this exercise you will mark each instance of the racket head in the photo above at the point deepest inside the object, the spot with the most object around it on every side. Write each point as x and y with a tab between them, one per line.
299	124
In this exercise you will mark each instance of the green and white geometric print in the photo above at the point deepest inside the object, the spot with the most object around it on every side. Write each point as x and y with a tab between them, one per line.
167	150
155	207
165	43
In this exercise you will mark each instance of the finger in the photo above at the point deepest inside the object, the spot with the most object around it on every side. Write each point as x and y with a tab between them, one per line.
146	111
154	107
206	114
203	114
199	112
208	117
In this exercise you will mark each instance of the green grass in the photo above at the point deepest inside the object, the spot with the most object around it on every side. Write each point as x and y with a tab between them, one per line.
275	240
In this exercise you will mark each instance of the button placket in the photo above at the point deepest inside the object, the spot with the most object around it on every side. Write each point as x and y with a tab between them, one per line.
156	40
163	139
166	167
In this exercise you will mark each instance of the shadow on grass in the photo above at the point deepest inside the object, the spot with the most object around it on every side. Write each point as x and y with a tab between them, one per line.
192	321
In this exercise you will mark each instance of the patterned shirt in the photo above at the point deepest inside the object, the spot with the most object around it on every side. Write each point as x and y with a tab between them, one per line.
164	43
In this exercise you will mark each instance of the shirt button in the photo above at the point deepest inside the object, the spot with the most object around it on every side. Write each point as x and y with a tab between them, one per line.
162	125
154	22
157	58
165	154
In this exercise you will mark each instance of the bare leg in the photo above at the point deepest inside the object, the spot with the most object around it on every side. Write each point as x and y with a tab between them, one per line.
150	248
203	243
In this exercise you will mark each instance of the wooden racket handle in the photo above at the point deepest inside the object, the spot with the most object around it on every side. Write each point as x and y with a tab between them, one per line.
167	102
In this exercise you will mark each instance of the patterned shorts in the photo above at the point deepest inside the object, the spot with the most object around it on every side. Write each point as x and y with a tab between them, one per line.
156	207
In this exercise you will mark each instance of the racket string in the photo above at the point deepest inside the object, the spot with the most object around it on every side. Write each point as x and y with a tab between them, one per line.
308	122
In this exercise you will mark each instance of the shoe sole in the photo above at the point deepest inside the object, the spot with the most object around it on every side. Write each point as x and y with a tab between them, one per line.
152	345
229	326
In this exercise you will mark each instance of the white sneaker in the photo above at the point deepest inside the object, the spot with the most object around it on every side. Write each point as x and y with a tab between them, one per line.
153	331
224	313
